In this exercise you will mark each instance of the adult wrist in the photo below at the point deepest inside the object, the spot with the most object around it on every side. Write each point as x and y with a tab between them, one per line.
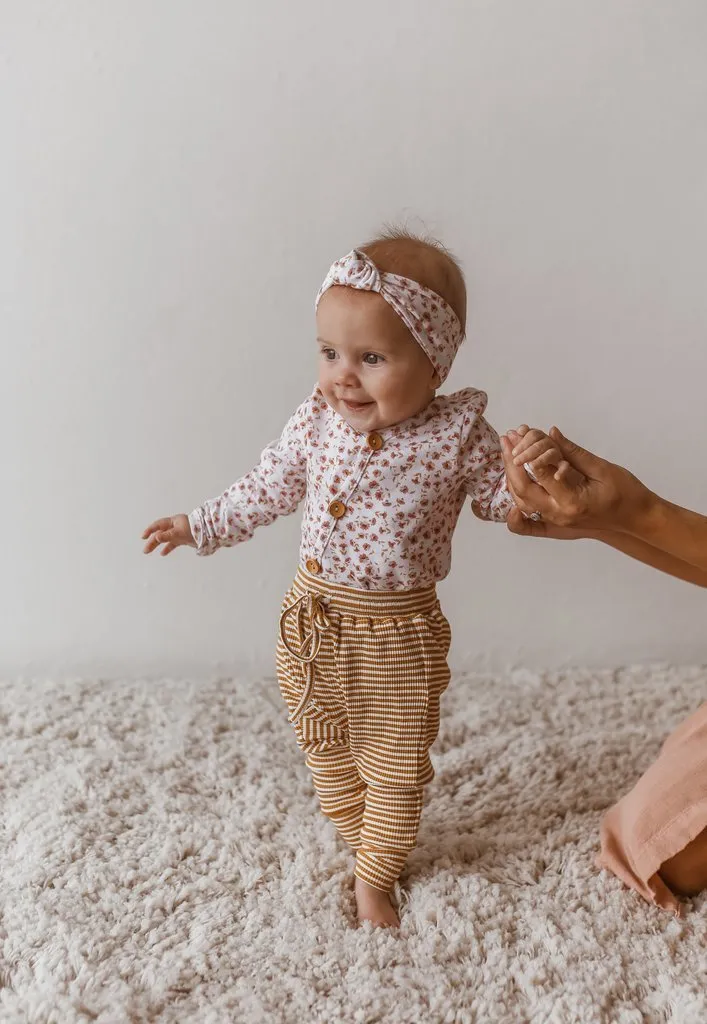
645	515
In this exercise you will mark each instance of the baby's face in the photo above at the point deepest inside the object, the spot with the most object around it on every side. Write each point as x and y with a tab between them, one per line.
371	370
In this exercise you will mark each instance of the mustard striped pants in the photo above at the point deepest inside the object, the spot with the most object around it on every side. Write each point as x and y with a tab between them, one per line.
362	673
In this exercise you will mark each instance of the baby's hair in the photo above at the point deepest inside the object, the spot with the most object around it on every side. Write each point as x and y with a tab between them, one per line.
423	259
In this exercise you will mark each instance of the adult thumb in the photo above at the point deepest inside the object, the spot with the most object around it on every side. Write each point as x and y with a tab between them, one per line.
578	457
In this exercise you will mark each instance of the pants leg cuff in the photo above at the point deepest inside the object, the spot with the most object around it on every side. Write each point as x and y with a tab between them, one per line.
376	872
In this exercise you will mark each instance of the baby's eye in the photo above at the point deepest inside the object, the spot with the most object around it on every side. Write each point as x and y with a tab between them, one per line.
328	353
371	359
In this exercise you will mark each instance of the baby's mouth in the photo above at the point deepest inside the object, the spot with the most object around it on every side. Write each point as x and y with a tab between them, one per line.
355	406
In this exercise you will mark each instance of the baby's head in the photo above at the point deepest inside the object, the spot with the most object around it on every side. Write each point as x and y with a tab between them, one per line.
382	358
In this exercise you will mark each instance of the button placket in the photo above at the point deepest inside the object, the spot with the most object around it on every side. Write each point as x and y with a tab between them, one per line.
374	443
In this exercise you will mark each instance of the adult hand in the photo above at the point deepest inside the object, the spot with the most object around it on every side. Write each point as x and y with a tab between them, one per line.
583	492
522	526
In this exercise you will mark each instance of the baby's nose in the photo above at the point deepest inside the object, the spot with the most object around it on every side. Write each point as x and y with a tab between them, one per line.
347	374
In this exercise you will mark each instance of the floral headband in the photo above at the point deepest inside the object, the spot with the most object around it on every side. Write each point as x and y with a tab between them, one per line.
432	322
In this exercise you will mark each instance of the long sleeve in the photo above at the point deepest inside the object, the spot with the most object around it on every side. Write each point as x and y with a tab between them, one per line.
482	466
275	487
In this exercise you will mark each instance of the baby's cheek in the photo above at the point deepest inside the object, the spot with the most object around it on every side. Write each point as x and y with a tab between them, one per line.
325	387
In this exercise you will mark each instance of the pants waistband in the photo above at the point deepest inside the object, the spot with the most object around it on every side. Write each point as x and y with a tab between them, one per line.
372	603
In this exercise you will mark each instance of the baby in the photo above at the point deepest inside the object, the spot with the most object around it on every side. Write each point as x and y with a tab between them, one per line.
384	466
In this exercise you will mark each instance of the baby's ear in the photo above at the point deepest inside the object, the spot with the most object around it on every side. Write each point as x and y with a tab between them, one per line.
436	379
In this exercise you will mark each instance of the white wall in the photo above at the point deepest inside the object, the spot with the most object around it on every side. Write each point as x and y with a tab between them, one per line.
175	178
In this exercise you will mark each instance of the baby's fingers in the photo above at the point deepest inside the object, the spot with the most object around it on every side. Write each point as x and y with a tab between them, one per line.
159	524
154	542
568	475
547	462
516	435
167	536
524	453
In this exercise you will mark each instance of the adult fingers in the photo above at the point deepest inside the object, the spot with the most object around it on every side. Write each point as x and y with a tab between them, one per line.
586	462
564	489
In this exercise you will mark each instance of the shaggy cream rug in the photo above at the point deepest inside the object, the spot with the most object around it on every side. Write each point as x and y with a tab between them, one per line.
163	859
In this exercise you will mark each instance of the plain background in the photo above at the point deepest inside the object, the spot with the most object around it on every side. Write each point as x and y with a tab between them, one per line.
175	179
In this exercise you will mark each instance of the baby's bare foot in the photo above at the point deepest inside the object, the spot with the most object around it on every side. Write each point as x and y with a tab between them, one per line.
375	906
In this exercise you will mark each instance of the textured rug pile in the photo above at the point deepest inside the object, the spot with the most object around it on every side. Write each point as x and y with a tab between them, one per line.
163	859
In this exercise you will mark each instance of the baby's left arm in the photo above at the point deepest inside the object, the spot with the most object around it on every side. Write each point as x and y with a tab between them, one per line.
485	475
483	471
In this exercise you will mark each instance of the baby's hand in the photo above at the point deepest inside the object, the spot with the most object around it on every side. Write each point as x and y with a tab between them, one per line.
173	532
535	450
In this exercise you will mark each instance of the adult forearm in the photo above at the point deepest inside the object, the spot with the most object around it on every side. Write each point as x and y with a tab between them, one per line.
674	530
639	549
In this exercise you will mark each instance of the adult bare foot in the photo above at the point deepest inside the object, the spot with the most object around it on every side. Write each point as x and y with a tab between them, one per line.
374	905
686	872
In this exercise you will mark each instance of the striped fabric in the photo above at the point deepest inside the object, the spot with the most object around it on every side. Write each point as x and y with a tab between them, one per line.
362	673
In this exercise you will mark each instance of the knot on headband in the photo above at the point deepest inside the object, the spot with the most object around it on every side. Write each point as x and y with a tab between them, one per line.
430	319
357	271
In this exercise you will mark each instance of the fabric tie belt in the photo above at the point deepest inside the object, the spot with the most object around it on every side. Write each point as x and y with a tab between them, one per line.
310	640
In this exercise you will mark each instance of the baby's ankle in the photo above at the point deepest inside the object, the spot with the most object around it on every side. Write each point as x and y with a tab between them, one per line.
374	905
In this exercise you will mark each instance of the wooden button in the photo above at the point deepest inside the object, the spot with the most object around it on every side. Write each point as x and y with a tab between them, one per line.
374	441
313	566
337	509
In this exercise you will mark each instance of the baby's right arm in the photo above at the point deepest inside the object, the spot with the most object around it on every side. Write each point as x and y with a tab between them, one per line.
273	488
